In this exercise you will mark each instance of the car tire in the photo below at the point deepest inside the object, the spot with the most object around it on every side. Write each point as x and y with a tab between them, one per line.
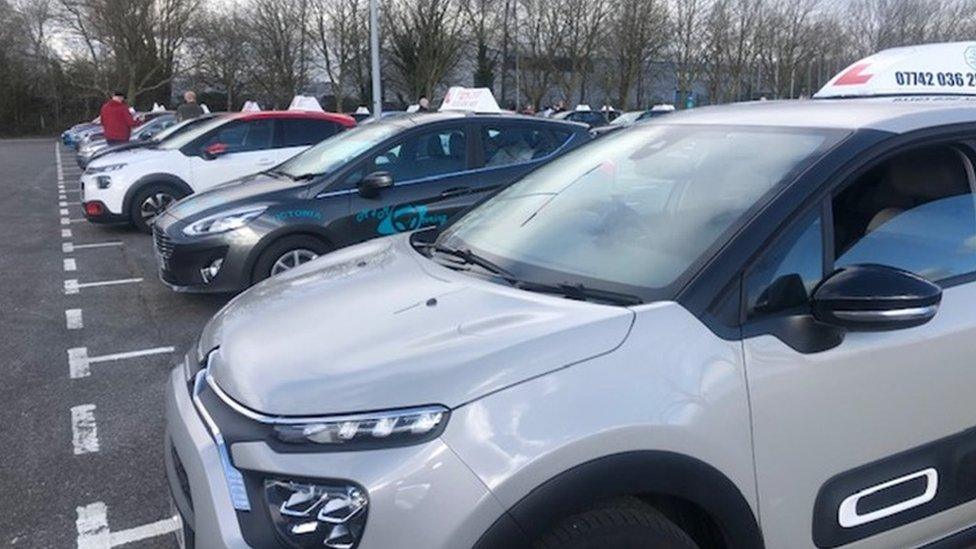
153	196
620	524
281	249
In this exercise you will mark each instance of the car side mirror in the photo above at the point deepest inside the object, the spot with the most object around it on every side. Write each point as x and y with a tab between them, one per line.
214	150
372	184
875	298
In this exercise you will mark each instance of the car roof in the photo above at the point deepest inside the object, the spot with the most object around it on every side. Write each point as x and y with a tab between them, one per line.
416	119
892	114
342	119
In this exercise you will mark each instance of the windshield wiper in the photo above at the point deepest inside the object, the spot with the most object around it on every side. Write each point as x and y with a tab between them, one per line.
469	257
305	176
580	292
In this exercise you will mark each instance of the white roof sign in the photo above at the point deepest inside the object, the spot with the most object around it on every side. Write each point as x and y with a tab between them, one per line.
250	106
470	100
930	69
305	103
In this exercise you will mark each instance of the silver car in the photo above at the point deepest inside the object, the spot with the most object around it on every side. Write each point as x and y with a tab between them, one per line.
742	326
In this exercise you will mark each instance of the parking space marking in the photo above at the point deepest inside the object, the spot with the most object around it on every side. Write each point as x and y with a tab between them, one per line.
84	432
72	286
79	363
62	203
70	265
68	247
82	220
65	221
74	320
94	533
65	233
64	211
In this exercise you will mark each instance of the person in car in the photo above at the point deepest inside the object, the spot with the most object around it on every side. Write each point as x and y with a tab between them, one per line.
190	108
117	121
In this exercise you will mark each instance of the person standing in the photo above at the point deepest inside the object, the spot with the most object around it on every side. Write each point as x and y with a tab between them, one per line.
190	108
117	121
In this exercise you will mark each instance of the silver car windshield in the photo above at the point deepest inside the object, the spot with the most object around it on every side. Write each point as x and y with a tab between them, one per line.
635	209
338	149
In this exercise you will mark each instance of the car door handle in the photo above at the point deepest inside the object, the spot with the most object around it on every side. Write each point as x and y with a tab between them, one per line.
454	191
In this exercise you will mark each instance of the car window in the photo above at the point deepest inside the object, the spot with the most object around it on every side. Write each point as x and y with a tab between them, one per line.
635	209
426	154
785	275
246	136
297	132
915	212
513	144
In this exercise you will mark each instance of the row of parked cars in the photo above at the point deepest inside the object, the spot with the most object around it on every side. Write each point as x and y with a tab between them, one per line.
740	326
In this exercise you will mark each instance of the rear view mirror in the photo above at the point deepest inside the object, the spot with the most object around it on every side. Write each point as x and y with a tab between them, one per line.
373	183
214	150
875	298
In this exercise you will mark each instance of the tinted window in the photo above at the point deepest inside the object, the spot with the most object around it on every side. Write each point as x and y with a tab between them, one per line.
426	154
239	137
506	145
787	272
303	132
915	212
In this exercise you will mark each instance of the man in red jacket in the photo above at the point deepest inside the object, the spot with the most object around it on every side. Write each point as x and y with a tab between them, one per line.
117	121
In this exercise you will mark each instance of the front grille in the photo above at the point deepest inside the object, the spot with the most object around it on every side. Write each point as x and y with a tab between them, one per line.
164	246
181	477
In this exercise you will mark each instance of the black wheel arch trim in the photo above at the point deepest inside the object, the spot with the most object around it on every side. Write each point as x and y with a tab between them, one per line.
142	182
649	472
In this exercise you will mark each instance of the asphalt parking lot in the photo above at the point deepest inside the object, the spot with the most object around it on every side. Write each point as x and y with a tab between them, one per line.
87	337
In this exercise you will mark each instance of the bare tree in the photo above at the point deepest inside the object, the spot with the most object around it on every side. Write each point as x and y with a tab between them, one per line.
220	48
425	41
539	41
638	33
483	20
582	26
280	48
341	32
134	42
689	44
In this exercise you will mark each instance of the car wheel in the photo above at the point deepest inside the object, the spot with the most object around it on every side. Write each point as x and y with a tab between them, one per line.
288	253
621	524
150	202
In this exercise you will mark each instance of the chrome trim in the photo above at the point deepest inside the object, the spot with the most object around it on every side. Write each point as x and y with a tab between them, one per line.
848	516
910	313
234	478
297	420
335	193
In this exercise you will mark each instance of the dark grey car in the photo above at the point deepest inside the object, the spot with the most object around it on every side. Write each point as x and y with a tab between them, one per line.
390	176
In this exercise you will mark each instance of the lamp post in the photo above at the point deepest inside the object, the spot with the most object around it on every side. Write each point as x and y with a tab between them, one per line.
374	45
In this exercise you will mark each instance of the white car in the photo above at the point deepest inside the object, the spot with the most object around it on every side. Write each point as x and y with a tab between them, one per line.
134	186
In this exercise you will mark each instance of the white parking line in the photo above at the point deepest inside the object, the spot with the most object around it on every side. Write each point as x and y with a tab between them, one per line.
70	265
72	286
79	363
94	533
64	211
84	432
62	203
74	320
68	247
81	220
65	233
65	221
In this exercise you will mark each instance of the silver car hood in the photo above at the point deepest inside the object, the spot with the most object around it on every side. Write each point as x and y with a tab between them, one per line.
378	326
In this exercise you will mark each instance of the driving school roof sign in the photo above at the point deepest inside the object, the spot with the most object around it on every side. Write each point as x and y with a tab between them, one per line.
470	100
931	69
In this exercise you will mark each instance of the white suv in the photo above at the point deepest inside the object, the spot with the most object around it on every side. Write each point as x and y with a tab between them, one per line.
133	186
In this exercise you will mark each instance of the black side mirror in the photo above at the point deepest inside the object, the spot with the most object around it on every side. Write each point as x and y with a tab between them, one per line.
372	184
875	298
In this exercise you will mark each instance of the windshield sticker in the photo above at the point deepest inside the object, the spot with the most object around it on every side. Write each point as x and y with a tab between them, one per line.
298	214
398	219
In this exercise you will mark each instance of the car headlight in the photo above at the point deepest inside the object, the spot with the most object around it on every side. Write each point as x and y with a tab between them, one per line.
222	222
105	169
379	429
330	514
